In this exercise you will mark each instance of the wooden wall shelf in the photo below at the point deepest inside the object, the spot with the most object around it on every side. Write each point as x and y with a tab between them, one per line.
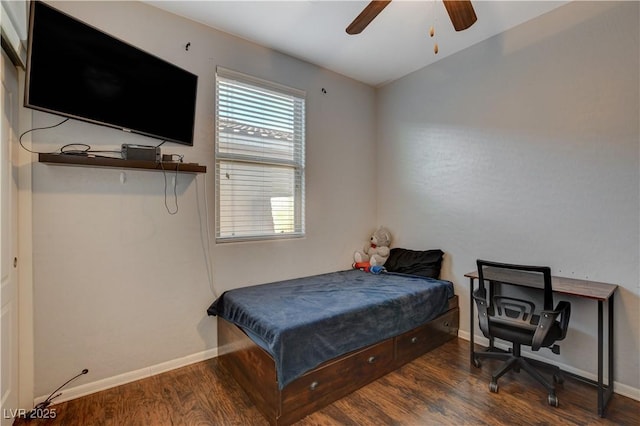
89	161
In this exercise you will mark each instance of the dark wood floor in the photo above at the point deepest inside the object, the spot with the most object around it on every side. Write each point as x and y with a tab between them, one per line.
439	388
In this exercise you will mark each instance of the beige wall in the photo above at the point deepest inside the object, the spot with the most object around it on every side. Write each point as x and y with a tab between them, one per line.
121	285
524	148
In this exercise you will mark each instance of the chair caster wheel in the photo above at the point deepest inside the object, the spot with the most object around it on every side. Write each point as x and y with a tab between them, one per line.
557	378
553	400
493	387
476	363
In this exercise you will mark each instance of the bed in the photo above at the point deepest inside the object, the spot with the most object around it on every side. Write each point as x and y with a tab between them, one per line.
295	346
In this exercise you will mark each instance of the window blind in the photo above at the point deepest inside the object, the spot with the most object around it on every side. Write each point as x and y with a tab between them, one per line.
260	140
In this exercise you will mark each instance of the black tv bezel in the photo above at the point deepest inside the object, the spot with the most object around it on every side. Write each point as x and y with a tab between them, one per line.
28	104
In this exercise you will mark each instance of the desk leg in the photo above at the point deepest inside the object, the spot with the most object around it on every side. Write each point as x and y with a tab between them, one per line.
471	324
611	372
605	392
600	355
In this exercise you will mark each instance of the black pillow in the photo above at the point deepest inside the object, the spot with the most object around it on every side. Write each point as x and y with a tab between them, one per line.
425	263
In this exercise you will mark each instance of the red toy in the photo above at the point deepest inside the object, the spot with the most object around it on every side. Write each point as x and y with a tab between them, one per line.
363	266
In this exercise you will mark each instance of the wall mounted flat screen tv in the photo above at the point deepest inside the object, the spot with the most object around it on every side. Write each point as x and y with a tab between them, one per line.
77	71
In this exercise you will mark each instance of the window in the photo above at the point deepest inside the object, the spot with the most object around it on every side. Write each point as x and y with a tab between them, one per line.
260	138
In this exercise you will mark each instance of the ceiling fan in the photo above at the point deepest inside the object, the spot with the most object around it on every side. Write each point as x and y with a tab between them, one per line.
460	12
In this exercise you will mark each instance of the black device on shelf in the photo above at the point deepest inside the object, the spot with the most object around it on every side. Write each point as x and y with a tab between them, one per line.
140	152
78	71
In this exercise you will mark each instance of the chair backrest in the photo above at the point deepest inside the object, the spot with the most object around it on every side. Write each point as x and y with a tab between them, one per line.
521	275
495	311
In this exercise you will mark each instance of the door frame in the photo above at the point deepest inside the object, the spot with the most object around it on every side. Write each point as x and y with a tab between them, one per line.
26	374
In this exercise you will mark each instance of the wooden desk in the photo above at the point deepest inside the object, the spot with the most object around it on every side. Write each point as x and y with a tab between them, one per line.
601	292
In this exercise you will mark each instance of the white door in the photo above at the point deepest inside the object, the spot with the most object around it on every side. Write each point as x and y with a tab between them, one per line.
9	243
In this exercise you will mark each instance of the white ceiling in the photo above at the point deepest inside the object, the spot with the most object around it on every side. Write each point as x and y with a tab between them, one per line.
395	44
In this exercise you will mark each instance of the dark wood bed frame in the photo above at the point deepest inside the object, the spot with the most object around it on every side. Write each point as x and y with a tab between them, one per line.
254	369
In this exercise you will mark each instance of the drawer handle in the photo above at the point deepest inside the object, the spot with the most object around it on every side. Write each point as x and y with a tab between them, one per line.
414	340
313	386
371	359
446	323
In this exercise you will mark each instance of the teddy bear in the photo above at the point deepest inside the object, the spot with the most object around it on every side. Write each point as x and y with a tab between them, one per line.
376	252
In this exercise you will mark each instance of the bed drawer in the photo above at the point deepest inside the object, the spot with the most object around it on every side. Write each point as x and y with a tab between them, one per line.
340	377
422	339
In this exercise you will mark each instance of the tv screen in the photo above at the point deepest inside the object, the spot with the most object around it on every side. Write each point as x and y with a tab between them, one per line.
77	71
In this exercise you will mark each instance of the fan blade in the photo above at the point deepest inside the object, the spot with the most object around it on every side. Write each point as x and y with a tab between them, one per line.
461	13
366	16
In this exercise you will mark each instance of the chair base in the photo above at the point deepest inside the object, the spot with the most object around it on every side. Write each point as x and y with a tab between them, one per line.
514	361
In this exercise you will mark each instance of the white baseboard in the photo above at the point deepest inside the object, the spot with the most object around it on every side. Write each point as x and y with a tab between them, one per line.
131	376
619	388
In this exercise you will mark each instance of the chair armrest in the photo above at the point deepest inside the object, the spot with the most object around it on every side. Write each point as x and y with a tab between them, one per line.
480	297
547	319
564	308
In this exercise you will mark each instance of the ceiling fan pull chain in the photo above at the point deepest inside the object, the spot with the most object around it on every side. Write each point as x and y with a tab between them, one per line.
432	30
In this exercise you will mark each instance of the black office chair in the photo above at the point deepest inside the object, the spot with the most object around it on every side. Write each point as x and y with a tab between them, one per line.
516	321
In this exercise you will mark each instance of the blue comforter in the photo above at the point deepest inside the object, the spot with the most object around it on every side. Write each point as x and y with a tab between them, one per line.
306	321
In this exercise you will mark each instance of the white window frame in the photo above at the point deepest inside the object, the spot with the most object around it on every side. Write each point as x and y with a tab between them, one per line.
269	158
